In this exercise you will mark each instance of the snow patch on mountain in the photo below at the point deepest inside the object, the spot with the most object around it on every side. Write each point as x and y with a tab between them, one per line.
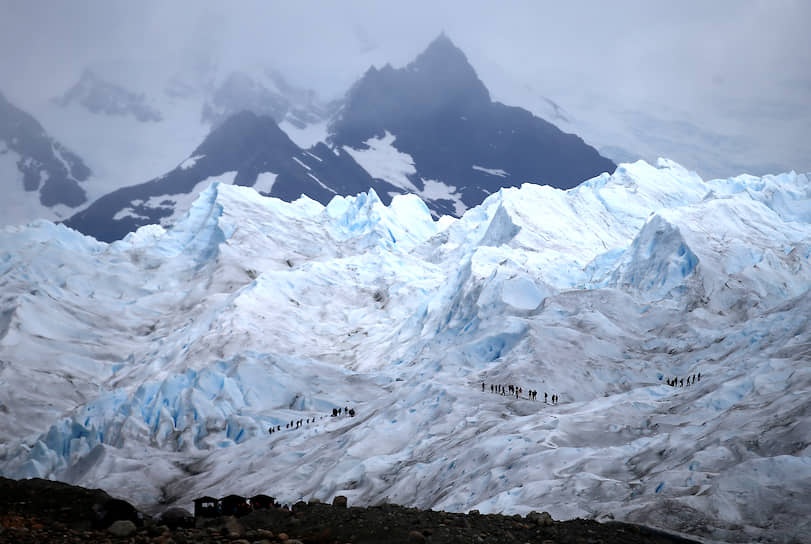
436	190
191	161
383	161
492	171
308	135
264	182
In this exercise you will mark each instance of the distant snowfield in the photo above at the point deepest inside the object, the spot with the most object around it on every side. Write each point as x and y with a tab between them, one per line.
169	354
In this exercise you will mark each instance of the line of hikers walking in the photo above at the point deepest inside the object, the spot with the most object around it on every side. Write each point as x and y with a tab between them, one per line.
680	382
298	423
514	390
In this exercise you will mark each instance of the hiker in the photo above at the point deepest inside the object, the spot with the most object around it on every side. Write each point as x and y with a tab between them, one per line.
544	397
699	376
334	412
352	412
346	410
339	411
681	382
270	430
482	387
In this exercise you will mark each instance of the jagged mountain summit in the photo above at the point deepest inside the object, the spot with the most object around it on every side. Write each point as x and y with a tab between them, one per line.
169	354
39	176
457	145
428	129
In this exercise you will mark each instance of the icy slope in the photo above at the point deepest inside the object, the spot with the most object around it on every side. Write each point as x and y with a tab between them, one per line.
169	354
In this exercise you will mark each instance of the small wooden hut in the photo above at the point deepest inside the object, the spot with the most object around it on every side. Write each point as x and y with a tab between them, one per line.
206	507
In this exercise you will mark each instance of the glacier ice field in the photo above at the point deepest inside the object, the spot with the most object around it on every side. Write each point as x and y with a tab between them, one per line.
153	367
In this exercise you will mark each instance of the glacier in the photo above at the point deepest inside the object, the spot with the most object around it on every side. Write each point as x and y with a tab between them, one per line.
153	366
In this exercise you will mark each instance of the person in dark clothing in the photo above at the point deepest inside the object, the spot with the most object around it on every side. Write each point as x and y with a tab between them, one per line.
699	376
334	412
544	397
352	412
482	387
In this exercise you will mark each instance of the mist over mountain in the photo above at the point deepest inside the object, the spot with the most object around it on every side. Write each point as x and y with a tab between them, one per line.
102	97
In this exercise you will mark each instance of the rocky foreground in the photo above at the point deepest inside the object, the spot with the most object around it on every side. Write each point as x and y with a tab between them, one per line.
37	511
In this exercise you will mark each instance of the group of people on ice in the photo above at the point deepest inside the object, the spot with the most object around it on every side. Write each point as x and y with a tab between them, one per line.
298	423
681	382
516	391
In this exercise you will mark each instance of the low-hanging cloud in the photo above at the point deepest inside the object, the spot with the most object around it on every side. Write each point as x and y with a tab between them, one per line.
732	66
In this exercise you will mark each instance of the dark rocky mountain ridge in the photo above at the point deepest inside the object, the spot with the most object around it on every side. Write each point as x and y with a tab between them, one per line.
244	143
438	111
45	164
442	115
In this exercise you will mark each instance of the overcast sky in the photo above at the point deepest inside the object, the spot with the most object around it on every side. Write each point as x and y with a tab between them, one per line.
734	68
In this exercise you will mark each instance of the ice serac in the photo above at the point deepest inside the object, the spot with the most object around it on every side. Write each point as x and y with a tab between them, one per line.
658	260
438	113
171	352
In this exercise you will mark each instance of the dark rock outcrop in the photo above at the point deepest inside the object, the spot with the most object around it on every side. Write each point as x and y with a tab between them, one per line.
33	511
46	165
